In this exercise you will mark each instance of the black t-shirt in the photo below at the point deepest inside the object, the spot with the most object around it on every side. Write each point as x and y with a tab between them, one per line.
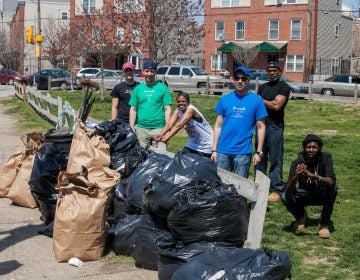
323	167
269	91
123	92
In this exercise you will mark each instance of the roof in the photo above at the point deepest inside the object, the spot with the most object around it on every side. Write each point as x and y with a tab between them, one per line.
263	46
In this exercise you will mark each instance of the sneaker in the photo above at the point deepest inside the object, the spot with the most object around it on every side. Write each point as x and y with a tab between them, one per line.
323	231
300	224
274	197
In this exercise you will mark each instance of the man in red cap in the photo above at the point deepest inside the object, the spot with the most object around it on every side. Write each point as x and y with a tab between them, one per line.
121	94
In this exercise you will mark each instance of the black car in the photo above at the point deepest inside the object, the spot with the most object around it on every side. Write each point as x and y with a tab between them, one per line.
59	78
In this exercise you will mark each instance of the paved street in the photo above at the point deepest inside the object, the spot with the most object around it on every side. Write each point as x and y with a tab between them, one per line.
25	254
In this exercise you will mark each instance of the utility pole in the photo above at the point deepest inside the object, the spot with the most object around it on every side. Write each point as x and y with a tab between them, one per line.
308	42
38	32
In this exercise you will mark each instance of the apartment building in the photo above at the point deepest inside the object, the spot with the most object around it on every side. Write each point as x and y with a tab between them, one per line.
309	38
27	14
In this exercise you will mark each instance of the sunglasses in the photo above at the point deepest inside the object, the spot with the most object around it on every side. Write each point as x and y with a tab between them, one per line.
243	79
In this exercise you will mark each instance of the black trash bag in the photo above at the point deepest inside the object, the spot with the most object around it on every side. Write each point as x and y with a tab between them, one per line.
186	168
120	201
125	150
148	233
47	206
141	177
123	234
50	159
172	256
236	264
211	212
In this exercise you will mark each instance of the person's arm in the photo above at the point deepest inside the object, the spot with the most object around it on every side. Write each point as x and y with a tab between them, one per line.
114	107
260	125
324	180
189	113
277	103
167	127
132	117
217	131
167	114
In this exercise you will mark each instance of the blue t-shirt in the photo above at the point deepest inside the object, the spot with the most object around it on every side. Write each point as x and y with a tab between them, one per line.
240	114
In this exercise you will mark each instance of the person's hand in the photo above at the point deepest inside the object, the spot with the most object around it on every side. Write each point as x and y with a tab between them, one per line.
164	139
157	138
256	160
213	156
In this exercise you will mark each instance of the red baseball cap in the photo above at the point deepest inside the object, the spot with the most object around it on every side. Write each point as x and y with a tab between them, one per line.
128	65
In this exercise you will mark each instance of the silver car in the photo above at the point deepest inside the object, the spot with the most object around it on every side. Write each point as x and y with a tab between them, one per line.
343	85
111	78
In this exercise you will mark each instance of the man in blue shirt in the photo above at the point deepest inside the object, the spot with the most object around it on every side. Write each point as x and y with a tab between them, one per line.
238	113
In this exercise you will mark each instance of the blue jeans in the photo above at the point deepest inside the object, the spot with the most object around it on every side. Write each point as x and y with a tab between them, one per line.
238	164
273	150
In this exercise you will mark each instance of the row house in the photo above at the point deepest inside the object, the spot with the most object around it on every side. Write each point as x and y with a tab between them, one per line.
118	25
309	38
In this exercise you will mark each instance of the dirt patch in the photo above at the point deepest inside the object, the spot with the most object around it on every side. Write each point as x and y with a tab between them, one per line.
316	260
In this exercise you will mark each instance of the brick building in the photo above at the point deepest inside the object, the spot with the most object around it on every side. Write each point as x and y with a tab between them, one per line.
307	37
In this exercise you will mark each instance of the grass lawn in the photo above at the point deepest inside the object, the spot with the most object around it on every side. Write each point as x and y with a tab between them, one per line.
339	126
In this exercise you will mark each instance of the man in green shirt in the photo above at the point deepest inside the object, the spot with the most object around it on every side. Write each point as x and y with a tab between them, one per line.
150	106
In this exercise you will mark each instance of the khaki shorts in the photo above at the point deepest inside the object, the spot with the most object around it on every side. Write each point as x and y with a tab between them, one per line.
145	136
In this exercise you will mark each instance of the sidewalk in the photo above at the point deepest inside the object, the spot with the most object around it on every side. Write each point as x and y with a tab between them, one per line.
25	254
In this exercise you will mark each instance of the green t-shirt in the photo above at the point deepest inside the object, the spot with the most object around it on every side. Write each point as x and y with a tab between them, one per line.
149	101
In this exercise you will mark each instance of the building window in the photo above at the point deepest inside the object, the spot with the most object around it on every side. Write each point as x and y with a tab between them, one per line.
219	30
120	33
218	62
136	33
290	1
337	30
230	3
338	2
335	62
239	30
273	58
294	63
95	33
64	15
89	6
273	29
296	29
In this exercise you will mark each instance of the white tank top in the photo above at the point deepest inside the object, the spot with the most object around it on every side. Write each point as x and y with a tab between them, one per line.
200	133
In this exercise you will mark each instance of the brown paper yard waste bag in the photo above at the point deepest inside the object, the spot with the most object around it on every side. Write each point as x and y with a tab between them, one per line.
19	191
79	226
8	172
92	152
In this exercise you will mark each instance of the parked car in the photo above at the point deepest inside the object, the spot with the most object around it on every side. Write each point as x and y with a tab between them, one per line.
262	77
9	76
187	76
41	80
343	85
87	72
111	78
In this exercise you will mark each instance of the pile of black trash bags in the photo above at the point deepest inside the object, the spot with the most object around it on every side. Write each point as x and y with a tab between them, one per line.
173	215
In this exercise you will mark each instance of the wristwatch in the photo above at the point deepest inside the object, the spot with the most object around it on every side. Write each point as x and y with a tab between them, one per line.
260	154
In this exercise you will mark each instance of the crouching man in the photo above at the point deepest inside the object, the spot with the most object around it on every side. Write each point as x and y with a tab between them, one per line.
311	181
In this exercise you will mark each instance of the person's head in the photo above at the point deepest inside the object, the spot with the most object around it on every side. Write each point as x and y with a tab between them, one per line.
128	71
183	100
273	70
312	145
241	78
149	70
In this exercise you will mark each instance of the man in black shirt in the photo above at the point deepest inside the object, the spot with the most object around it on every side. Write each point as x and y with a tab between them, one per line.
311	181
275	94
121	94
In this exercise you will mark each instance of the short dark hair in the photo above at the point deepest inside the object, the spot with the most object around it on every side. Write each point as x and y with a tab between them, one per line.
273	64
185	95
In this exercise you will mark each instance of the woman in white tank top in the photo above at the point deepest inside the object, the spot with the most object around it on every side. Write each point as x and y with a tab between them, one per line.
198	129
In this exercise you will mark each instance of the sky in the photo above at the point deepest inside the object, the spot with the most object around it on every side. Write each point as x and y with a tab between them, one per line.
352	3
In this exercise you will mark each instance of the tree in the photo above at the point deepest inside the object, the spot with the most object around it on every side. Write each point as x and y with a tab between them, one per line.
175	29
55	43
244	55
